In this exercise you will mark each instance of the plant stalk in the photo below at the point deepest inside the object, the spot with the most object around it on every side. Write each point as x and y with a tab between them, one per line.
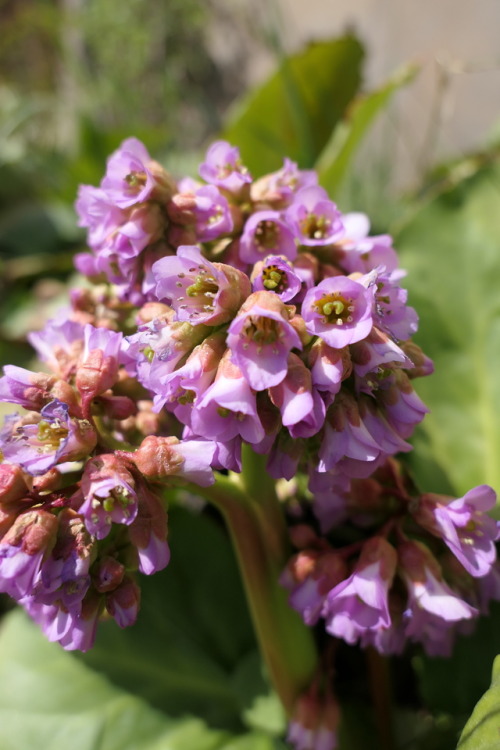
286	643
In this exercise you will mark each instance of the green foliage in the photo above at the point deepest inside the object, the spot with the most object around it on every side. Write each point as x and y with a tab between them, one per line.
451	249
337	156
295	111
482	731
453	686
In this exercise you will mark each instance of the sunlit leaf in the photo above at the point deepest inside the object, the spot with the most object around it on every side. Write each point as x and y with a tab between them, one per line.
482	731
451	249
49	699
294	112
338	153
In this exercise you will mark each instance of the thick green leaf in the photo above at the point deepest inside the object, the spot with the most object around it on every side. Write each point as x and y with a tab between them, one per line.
48	699
192	631
337	155
482	731
451	249
295	111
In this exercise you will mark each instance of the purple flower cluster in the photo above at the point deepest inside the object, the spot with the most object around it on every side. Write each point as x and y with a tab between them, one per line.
237	311
62	492
271	319
399	584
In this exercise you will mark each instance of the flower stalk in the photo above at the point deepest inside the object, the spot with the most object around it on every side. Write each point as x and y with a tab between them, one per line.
286	643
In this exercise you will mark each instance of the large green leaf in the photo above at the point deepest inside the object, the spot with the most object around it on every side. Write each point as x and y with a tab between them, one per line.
451	248
338	153
295	111
482	731
50	700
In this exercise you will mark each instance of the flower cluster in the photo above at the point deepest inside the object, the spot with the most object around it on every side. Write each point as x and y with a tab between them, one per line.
235	311
77	520
429	565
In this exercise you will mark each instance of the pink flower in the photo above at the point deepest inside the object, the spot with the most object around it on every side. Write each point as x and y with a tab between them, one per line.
228	408
314	218
223	167
265	233
108	494
345	435
464	526
148	533
261	338
339	310
203	209
360	603
46	439
279	188
276	274
361	253
128	179
23	549
200	291
433	606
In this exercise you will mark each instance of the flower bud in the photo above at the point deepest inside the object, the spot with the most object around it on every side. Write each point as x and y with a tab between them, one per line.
109	575
123	602
48	482
13	485
99	368
33	531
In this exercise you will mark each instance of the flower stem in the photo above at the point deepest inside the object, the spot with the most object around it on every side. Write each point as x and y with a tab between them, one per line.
287	645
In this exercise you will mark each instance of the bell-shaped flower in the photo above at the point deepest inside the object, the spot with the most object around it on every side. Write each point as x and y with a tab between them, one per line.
339	310
432	605
204	209
73	631
328	366
228	408
276	274
128	179
60	345
162	457
309	576
403	408
360	253
314	723
107	494
223	167
199	291
260	339
40	441
314	218
148	533
376	351
360	603
345	435
29	540
278	188
123	602
181	388
464	526
265	233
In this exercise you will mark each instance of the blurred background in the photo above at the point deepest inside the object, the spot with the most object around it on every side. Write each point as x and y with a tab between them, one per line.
78	76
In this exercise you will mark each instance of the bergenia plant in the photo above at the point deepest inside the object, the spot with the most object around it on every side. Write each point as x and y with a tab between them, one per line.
248	343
